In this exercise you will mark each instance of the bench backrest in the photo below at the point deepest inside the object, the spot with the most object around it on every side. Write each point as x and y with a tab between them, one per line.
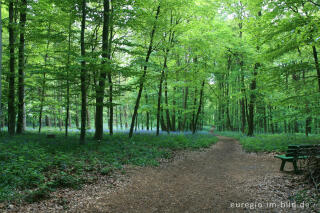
303	150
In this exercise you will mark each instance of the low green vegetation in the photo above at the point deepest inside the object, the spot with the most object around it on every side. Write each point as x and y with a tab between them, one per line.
271	142
32	165
278	142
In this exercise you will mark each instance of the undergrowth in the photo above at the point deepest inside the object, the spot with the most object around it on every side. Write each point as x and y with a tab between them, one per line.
32	166
271	142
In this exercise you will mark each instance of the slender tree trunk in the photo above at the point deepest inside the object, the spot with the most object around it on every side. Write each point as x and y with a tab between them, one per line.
83	76
173	119
271	120
11	95
47	120
110	77
199	108
88	117
163	125
316	61
159	102
167	102
228	124
21	115
242	100
136	107
43	91
185	107
147	113
265	126
1	119
253	88
68	80
193	122
126	117
120	118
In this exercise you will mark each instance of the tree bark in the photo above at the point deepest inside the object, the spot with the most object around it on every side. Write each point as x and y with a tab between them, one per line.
21	96
43	90
11	78
1	119
68	80
159	102
253	88
147	114
103	73
199	108
135	112
185	107
166	100
316	61
110	77
83	76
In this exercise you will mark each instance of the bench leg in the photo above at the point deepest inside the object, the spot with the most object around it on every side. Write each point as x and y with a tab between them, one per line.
295	166
283	163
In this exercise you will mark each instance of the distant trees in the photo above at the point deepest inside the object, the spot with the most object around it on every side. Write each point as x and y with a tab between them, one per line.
166	65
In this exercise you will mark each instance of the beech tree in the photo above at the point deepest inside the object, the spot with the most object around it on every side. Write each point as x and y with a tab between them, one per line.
167	66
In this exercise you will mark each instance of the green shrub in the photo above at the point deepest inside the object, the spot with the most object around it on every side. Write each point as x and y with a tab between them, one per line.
40	194
106	171
64	180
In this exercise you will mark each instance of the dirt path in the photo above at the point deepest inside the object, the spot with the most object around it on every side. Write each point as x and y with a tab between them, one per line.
202	182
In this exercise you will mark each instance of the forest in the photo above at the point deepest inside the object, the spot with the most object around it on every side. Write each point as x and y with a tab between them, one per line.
89	86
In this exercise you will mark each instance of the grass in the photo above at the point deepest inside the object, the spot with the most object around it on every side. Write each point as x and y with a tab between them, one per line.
33	166
270	142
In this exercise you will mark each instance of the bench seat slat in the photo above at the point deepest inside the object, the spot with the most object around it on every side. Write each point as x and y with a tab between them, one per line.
285	157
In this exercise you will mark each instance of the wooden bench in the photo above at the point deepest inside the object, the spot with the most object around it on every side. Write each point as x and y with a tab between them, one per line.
298	152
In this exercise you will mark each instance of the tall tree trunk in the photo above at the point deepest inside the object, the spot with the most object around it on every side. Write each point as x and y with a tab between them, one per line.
11	96
159	102
228	124
136	107
83	76
253	88
193	122
166	101
125	114
120	118
271	119
265	126
110	77
316	61
43	91
185	107
1	119
47	120
21	115
173	119
103	73
88	117
199	108
147	113
68	80
163	124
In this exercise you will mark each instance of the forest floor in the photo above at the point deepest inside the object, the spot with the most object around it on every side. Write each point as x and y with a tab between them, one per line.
218	179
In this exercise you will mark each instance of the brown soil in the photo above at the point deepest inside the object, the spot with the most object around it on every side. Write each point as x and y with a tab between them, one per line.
205	181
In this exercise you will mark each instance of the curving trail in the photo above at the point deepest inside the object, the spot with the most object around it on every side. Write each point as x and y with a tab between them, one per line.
206	181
